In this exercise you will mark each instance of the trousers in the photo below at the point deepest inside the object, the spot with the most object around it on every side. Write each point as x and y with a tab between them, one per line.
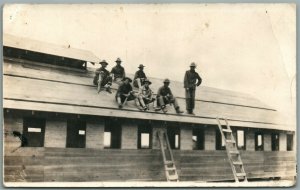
190	98
103	80
162	100
121	99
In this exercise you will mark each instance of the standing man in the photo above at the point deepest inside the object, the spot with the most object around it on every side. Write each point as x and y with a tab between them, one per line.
118	72
191	80
165	96
139	77
102	77
125	92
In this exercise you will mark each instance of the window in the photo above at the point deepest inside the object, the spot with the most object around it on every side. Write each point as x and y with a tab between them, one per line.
76	133
290	142
174	137
198	139
259	141
144	137
34	132
107	139
275	141
220	143
112	134
240	139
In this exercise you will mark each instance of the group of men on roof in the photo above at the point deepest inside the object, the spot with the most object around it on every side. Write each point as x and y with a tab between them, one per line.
103	79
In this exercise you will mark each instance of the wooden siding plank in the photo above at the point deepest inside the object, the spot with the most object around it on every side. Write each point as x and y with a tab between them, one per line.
125	113
204	93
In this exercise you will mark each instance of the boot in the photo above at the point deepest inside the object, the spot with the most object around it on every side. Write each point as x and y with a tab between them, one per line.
190	112
108	89
178	110
164	109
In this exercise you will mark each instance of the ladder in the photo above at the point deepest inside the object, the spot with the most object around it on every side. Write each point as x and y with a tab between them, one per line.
233	153
169	164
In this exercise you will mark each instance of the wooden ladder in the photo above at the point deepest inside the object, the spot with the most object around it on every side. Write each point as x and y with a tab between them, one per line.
169	164
233	153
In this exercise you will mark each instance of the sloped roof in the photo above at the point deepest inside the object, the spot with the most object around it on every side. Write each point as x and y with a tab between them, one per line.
30	86
48	48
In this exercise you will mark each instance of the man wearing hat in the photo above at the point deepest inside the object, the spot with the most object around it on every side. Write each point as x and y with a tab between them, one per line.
124	92
102	77
145	95
139	77
118	71
165	96
191	80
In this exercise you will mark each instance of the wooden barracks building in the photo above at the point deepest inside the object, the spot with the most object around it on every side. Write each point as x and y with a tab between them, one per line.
75	134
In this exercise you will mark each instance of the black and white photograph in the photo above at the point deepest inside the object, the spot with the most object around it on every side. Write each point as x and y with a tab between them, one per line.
149	95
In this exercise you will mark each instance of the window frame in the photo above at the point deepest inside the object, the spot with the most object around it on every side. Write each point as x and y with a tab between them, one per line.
198	131
141	130
34	122
237	139
259	148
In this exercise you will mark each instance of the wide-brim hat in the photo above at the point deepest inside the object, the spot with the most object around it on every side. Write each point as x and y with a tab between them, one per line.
148	81
103	62
127	78
166	81
118	60
141	66
193	64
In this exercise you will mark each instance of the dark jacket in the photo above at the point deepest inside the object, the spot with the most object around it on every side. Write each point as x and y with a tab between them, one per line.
105	74
118	71
190	79
124	89
139	74
164	91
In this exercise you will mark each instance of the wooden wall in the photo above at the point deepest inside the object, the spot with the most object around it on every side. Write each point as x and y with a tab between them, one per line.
69	164
95	134
54	162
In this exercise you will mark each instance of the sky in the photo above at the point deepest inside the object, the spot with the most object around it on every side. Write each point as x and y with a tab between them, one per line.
241	47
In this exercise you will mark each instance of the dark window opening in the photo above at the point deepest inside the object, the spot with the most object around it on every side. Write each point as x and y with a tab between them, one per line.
290	142
174	137
259	141
112	134
144	137
34	131
76	136
198	139
275	141
241	139
220	142
43	58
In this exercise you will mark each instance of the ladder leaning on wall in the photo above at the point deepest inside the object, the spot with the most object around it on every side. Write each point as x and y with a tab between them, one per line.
169	164
233	153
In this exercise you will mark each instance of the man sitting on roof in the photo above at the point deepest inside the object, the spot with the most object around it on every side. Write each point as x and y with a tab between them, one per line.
145	96
125	92
118	72
102	77
139	77
165	96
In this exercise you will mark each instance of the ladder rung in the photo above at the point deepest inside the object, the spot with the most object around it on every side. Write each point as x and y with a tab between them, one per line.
234	152
230	141
170	169
173	177
237	163
168	162
240	174
227	130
